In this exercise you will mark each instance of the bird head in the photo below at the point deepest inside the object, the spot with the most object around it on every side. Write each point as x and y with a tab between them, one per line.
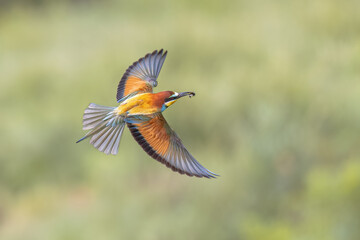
173	97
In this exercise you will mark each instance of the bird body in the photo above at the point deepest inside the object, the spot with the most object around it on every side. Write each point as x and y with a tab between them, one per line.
144	103
141	110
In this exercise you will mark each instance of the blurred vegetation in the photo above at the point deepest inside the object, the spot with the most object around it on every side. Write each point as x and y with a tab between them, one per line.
276	115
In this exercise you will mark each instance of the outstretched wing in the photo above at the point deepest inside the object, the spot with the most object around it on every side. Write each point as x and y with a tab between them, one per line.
156	137
141	76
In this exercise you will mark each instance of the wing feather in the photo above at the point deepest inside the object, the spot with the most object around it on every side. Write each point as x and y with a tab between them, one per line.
142	75
159	141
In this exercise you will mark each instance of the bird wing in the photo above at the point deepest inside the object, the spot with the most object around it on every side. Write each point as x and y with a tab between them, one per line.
141	75
158	140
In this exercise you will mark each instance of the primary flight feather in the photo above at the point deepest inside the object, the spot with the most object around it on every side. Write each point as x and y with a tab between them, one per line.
141	110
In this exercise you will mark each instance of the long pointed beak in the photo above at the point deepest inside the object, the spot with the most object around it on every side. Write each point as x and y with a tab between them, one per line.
183	94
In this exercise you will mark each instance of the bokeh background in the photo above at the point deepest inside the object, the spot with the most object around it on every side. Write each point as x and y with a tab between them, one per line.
276	115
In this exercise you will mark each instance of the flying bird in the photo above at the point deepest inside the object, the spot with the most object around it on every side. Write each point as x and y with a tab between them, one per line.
141	110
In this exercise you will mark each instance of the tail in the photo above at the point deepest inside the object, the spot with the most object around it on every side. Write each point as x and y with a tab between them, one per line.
106	128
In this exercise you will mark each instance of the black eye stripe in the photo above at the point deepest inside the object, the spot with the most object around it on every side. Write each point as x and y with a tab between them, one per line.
170	99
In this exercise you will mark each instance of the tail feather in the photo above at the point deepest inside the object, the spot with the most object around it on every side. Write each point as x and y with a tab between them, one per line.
108	141
94	114
106	128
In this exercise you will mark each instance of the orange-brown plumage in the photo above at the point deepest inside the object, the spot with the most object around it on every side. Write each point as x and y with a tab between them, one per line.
141	110
155	134
136	84
158	99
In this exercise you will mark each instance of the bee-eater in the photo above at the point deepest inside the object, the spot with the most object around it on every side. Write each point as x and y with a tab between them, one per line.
141	110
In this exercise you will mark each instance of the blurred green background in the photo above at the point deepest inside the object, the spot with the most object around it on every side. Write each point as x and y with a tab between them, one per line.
276	115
